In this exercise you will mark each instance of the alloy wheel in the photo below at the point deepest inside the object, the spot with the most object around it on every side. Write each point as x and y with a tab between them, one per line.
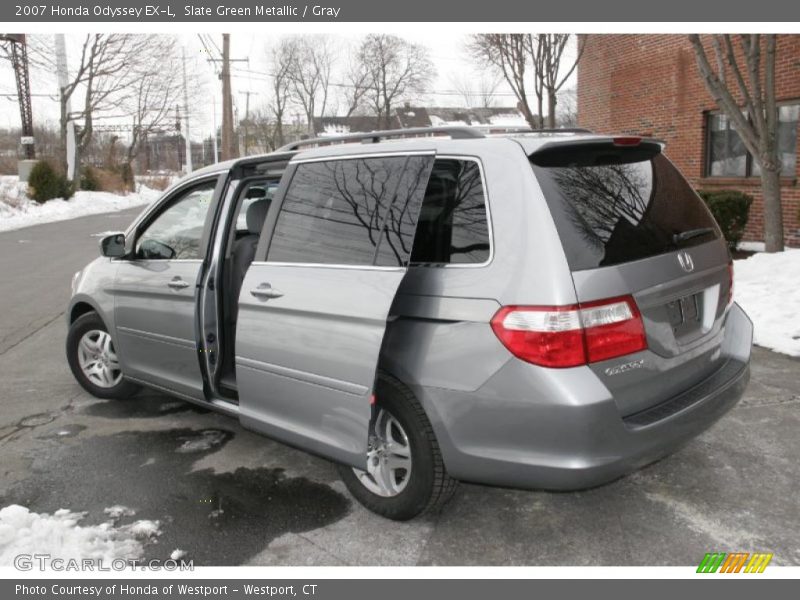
388	458
98	360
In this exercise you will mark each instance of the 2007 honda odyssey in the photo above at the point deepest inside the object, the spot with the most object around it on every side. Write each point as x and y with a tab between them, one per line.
533	309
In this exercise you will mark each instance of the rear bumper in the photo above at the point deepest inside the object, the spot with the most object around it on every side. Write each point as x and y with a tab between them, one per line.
571	434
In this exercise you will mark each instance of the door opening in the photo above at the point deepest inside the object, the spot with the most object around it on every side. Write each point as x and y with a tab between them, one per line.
240	242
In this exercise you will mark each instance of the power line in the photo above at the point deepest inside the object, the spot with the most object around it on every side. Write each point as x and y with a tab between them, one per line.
265	76
208	52
213	43
15	96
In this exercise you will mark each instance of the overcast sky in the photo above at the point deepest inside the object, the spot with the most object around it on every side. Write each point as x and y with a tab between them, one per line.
446	50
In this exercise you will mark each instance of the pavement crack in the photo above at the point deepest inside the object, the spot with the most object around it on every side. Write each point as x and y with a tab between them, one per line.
34	332
762	402
324	550
422	552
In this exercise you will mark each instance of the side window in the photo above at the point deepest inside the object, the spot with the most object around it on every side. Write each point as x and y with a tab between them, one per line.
333	211
176	232
400	223
453	226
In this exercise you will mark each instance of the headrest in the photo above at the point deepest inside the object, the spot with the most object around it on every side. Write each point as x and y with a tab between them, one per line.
256	213
256	192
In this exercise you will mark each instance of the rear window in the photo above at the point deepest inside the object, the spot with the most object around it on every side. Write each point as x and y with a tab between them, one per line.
609	210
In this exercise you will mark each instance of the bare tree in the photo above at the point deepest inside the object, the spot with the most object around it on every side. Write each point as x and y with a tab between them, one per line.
547	52
757	124
396	70
514	55
98	82
155	93
264	132
477	90
509	54
356	79
567	115
282	58
309	74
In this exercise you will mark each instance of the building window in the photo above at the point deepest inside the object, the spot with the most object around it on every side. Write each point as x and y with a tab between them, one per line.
727	155
726	152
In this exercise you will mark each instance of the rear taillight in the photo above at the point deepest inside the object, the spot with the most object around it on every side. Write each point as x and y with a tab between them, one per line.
630	140
569	336
730	283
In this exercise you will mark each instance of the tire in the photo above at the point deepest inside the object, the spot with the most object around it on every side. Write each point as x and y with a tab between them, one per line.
92	364
426	486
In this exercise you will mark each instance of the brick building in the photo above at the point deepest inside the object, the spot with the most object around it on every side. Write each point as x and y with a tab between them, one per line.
649	85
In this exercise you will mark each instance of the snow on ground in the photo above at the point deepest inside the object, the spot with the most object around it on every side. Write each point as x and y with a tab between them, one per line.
17	210
511	119
118	511
767	287
205	441
177	554
60	536
753	246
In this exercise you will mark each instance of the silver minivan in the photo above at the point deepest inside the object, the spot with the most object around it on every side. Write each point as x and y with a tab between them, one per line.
531	309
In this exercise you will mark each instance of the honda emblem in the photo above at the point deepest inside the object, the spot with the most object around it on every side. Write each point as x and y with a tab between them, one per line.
686	262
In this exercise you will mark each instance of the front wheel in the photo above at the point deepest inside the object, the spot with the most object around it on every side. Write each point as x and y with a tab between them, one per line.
93	359
404	474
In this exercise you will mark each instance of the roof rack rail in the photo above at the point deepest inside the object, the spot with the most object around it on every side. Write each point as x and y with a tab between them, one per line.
527	129
456	133
503	128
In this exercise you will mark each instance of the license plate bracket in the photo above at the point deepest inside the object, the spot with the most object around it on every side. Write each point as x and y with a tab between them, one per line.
684	313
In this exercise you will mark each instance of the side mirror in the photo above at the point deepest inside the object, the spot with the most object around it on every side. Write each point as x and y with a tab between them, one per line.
113	246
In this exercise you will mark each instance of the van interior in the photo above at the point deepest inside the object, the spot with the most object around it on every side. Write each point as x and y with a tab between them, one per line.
240	242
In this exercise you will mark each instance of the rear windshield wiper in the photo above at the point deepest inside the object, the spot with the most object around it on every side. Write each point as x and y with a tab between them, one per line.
677	238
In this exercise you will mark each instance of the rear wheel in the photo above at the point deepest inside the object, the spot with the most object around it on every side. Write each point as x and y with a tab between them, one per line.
93	359
404	474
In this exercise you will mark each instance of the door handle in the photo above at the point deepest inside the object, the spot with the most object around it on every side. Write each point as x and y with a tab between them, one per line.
178	284
265	291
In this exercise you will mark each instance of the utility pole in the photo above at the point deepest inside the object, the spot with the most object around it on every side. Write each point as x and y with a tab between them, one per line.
214	117
229	149
229	146
246	122
67	125
181	158
186	116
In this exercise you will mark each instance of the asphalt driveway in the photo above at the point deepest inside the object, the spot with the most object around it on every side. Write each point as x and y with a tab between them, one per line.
228	496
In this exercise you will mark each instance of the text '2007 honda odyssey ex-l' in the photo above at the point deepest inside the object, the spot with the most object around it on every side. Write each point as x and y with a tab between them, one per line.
533	309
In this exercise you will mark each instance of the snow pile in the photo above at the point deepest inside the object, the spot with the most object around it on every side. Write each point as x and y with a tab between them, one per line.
60	536
177	554
118	511
437	121
143	529
17	210
335	130
508	120
767	287
754	246
207	439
